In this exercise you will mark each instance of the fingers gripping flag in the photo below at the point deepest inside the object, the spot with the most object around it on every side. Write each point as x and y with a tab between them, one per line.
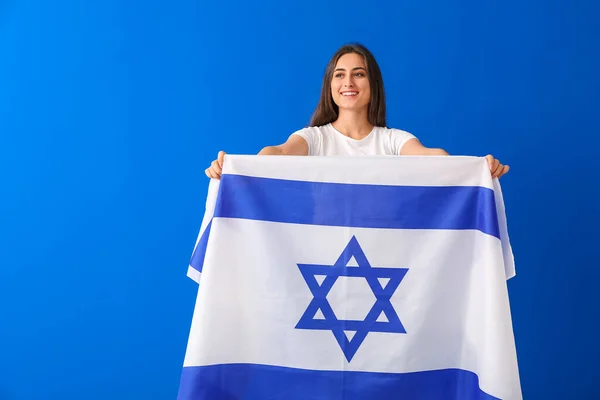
352	278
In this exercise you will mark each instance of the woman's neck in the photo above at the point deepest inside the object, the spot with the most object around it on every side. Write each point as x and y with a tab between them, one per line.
355	125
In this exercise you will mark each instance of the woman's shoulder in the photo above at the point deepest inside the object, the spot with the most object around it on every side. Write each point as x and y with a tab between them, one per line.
321	128
312	131
313	135
394	138
392	131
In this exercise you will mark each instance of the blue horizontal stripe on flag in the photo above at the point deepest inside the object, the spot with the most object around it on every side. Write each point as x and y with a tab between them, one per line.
252	381
358	205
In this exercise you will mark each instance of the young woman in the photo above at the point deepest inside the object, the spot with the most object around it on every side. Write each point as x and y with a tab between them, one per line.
350	118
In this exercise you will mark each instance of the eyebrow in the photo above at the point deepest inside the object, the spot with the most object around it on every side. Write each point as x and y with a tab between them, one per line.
353	69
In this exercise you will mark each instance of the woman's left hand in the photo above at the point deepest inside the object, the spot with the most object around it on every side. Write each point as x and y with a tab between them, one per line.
496	168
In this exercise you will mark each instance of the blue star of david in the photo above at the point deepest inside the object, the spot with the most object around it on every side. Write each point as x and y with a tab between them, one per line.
338	326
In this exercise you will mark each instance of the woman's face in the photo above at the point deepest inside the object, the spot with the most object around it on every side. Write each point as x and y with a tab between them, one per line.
350	87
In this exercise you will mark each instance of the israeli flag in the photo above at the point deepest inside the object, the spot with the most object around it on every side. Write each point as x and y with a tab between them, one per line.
352	278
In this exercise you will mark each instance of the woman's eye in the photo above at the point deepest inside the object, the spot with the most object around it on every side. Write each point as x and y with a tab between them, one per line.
339	75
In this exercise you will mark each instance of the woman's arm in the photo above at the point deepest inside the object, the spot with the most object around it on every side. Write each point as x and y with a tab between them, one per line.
414	148
294	146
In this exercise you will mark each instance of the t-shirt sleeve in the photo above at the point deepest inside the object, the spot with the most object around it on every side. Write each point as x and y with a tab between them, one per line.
312	137
399	138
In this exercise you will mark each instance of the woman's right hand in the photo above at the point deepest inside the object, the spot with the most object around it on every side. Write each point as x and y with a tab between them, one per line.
216	167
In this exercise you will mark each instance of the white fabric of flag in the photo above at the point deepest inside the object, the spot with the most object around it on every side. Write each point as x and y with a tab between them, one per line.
352	278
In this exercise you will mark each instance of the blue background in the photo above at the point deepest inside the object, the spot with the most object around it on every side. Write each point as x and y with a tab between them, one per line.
110	111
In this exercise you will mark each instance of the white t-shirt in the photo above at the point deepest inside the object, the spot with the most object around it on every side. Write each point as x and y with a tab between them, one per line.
327	141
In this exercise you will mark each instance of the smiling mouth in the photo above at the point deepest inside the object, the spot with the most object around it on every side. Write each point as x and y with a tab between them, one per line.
349	93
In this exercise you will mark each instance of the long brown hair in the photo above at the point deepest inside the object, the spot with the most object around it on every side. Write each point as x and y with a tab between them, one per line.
327	111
